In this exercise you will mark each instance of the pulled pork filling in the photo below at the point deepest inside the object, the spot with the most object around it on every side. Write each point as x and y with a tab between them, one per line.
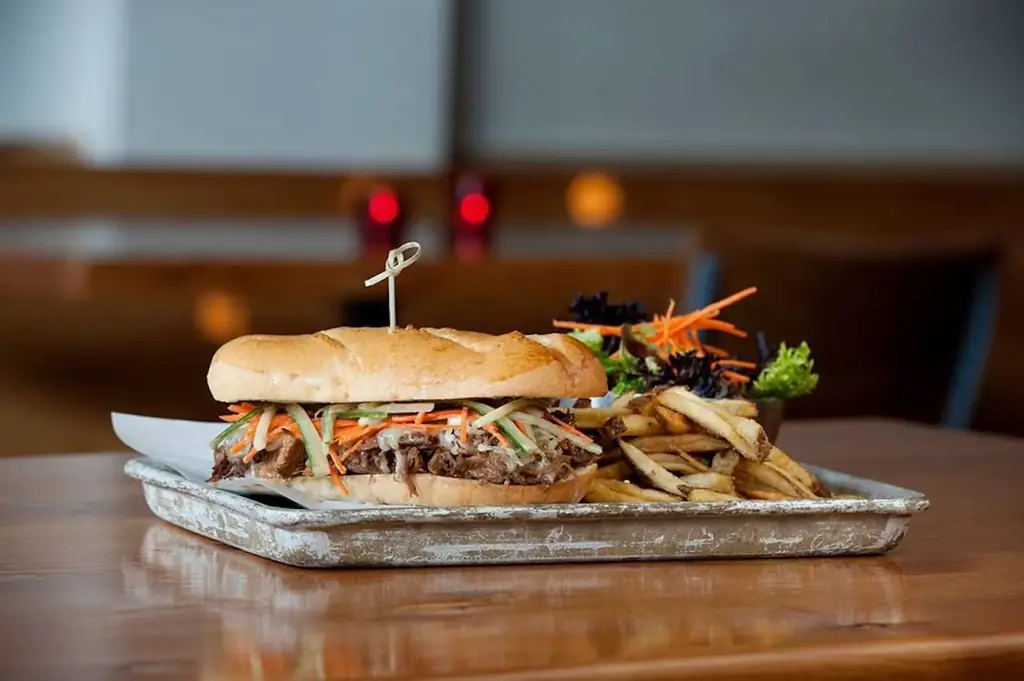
403	450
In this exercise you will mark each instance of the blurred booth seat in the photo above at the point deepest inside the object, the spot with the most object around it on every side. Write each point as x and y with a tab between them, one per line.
38	152
897	326
1000	404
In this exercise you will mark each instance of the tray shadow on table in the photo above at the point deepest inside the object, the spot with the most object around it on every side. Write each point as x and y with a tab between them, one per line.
422	621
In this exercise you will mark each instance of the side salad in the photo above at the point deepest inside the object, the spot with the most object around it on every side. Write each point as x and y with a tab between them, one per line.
641	353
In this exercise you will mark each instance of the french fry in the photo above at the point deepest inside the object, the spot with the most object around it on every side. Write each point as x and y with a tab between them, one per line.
725	462
652	472
619	470
679	463
765	494
755	475
752	432
710	495
672	421
622	401
786	463
639	492
737	407
801	489
642	404
600	494
632	425
716	482
680	444
592	419
745	435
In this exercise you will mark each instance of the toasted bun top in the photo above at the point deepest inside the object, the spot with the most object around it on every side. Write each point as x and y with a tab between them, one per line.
373	365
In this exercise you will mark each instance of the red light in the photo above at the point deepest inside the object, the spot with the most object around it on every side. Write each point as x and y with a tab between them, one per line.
383	208
474	209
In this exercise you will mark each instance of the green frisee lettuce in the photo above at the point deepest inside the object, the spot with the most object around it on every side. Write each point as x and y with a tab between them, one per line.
790	375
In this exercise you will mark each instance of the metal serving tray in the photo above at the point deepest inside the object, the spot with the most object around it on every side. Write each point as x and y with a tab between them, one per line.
410	535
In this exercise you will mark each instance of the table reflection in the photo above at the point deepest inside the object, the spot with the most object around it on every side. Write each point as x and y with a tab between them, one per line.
280	622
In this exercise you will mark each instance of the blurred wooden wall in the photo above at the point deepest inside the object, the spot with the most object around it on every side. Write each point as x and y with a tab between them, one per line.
81	339
877	201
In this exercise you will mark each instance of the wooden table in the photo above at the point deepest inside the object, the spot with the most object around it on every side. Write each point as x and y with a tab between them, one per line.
92	586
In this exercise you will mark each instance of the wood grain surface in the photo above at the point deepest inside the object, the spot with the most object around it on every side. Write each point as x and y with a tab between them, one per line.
94	587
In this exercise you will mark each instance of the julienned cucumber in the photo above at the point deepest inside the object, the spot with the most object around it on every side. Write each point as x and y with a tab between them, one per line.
357	414
311	439
233	428
521	441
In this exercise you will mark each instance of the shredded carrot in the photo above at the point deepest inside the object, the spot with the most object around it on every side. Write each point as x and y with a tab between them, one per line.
735	377
713	309
521	426
351	450
664	327
716	350
563	424
250	431
231	418
695	341
683	322
419	418
370	430
243	408
338	482
280	420
464	426
334	458
736	363
347	434
502	440
715	325
291	428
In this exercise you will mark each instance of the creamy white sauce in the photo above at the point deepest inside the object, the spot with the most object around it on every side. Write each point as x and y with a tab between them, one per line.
387	439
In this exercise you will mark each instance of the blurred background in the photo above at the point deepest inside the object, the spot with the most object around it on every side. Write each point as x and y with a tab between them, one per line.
176	173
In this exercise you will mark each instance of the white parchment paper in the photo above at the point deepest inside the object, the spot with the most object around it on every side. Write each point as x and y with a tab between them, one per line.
184	446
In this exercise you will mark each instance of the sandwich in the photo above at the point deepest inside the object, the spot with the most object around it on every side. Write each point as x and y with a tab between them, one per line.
432	417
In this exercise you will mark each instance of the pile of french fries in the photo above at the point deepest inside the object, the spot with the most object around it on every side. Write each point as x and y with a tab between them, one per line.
676	446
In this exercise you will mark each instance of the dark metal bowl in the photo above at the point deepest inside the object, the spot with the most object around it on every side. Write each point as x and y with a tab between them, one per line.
770	414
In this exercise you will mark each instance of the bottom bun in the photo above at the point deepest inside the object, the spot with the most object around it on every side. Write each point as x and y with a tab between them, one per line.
435	490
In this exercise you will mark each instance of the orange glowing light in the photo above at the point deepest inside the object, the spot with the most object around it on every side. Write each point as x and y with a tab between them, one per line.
594	200
221	316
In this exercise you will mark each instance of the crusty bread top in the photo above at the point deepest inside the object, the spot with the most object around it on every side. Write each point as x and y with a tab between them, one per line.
373	365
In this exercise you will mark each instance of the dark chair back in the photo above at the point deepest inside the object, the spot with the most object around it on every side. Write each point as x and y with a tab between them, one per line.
1001	395
886	320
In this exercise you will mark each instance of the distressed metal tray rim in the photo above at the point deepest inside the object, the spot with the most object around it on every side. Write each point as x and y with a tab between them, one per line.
896	501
